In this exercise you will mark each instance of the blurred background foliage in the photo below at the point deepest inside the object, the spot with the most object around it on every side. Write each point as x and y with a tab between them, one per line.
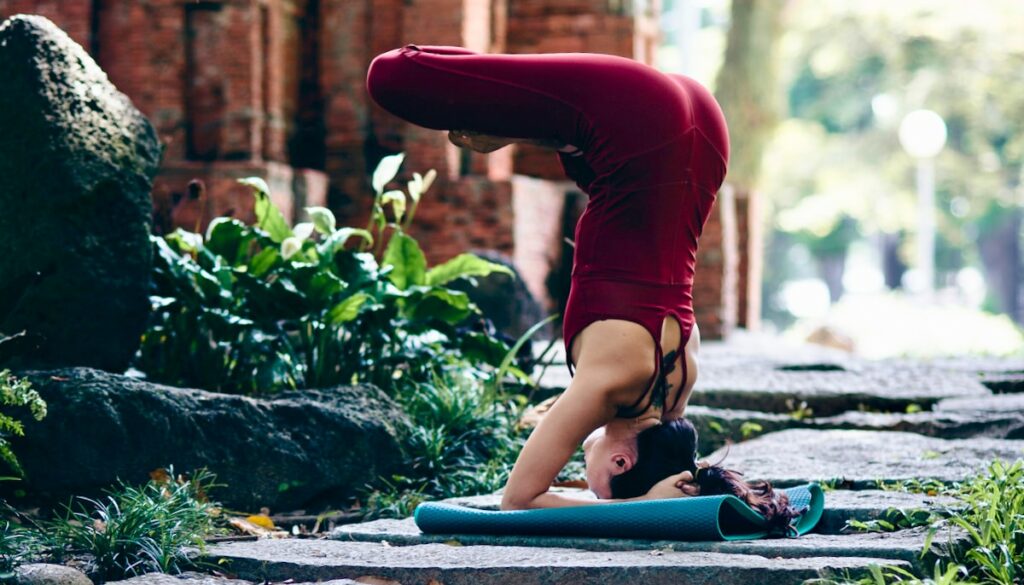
838	191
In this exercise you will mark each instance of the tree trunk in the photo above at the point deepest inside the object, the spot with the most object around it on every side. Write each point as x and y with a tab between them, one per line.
747	90
1000	254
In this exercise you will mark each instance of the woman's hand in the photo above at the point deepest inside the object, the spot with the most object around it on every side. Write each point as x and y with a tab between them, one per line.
679	485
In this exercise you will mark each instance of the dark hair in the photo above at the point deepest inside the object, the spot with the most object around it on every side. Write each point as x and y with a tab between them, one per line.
661	451
671	448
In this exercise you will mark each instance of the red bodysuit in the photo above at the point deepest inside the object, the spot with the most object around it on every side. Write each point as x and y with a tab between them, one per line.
654	149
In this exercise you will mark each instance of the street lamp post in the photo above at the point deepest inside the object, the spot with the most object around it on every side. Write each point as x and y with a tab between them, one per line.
923	134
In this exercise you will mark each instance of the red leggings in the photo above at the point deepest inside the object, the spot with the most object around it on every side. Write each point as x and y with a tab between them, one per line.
654	149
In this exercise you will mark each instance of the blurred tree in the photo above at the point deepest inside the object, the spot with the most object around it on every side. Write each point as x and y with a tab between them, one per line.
747	85
747	89
853	70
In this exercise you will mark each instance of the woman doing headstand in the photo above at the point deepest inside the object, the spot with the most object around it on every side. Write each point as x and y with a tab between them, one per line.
650	149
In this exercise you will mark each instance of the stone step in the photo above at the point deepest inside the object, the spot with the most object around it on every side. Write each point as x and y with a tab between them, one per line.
821	390
902	545
827	393
451	564
196	578
861	459
717	426
995	403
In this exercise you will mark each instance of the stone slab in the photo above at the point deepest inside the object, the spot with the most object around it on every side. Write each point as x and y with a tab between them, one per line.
782	388
859	459
994	403
314	560
829	393
901	545
196	578
717	426
867	505
945	424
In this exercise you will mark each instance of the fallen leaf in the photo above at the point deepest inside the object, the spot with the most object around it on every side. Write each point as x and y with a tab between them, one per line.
246	527
262	520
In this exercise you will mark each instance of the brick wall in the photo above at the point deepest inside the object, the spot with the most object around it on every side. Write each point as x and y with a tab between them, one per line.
276	88
715	297
750	243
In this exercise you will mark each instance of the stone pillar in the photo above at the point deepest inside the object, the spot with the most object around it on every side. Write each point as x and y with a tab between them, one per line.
715	297
750	245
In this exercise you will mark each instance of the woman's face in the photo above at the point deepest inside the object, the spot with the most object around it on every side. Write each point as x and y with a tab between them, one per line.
605	458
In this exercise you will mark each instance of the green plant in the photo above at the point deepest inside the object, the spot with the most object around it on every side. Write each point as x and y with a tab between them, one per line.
18	545
137	530
896	519
799	411
989	508
750	428
461	441
255	309
16	392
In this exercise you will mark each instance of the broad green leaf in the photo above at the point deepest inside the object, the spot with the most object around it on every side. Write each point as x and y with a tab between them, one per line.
324	285
337	239
397	200
261	263
386	170
186	240
405	255
447	305
228	237
483	348
464	265
347	309
268	216
323	219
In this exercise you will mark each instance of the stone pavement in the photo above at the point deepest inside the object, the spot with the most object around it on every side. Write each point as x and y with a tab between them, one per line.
453	564
793	414
861	459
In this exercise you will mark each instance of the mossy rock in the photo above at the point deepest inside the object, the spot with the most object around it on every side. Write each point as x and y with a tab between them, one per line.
76	166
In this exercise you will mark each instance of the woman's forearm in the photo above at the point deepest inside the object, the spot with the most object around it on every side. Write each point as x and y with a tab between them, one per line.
555	500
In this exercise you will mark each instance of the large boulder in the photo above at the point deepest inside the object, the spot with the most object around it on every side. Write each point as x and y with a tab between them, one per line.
300	449
504	299
76	163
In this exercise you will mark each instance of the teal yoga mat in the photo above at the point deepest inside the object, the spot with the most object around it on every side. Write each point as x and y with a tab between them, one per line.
693	519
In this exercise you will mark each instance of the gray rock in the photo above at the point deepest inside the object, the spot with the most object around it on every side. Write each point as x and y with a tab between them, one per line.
717	426
945	424
194	578
76	163
904	545
305	560
301	449
859	459
826	393
187	578
842	506
49	574
1013	403
505	300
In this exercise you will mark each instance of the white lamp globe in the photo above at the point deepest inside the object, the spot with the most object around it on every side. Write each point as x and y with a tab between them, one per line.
922	133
